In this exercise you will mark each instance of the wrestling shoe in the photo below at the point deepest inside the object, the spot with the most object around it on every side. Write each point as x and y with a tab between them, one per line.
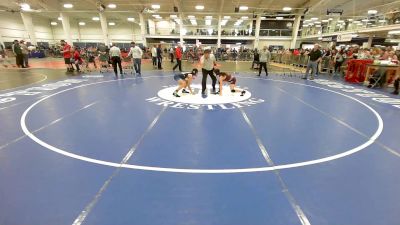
242	93
184	91
176	94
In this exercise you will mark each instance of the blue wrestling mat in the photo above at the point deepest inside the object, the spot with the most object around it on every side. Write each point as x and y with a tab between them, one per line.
104	151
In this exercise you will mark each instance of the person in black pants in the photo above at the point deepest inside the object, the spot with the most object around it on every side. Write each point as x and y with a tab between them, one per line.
116	61
256	59
159	57
171	54
264	57
19	57
178	54
208	62
154	55
115	54
396	86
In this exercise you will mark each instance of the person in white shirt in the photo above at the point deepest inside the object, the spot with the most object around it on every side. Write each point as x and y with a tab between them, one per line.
115	54
136	54
154	55
208	62
171	54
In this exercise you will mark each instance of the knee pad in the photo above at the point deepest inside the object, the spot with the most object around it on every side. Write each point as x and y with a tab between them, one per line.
233	91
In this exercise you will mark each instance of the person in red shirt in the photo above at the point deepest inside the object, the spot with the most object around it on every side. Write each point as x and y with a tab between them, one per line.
296	52
178	56
349	53
77	59
66	51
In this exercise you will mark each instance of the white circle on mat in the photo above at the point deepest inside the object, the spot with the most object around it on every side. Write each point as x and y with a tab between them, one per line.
197	98
346	153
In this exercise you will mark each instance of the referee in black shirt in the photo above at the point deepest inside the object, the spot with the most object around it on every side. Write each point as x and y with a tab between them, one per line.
315	56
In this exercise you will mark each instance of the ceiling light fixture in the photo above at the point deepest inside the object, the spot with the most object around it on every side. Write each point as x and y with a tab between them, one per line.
155	6
286	9
82	23
111	23
112	6
68	5
372	11
199	7
394	32
25	7
53	23
243	8
96	18
131	19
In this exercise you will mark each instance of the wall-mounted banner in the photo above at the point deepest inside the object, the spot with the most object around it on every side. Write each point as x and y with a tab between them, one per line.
334	12
327	39
344	37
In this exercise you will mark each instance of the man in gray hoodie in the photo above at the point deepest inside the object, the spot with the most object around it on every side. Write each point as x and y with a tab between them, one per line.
265	56
25	53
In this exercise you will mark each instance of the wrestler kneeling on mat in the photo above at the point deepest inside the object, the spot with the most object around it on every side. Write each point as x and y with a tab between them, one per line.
228	78
184	80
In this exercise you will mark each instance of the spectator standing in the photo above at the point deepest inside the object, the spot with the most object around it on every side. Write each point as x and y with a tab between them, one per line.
296	52
396	86
178	55
265	56
256	59
25	53
315	57
171	54
136	54
66	51
338	60
159	57
77	59
115	54
350	53
19	58
154	55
